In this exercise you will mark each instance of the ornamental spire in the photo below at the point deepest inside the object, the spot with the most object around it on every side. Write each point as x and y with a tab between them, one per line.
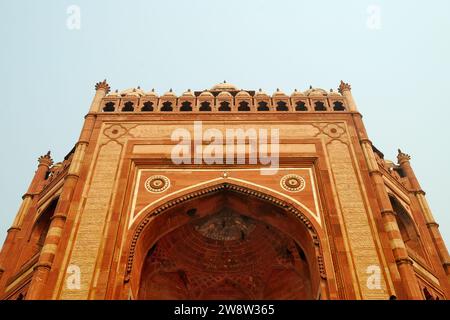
45	160
103	85
402	157
344	86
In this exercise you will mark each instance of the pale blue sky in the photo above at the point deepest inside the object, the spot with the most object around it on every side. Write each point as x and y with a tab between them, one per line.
399	74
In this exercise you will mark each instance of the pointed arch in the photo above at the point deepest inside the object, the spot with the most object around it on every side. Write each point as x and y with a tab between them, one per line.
288	218
408	228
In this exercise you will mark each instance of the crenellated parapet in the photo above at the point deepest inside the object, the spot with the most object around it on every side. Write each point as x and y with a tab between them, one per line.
225	97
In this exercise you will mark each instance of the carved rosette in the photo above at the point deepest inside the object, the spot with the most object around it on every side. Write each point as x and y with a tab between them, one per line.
293	183
157	184
115	131
333	130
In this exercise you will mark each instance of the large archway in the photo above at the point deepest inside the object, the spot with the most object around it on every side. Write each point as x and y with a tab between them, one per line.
226	242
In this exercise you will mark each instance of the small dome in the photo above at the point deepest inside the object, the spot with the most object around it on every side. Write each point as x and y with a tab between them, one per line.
151	93
224	86
170	93
279	93
224	95
334	93
113	94
206	94
297	94
188	93
315	92
261	94
243	94
137	92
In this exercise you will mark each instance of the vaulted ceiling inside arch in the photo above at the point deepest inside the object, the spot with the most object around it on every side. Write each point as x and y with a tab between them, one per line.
225	256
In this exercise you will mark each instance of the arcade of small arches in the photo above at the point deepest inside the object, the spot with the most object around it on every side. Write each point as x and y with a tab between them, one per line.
224	98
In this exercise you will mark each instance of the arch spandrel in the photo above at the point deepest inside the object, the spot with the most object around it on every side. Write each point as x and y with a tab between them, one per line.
145	197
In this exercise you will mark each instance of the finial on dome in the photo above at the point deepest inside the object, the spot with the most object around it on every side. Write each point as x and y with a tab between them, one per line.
331	90
102	85
153	89
310	87
343	86
170	90
116	91
224	81
139	87
278	89
295	90
260	90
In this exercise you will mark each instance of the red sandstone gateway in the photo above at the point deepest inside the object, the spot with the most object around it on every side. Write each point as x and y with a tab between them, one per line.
119	219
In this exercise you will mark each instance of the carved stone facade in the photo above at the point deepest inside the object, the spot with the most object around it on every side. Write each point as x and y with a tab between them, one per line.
120	218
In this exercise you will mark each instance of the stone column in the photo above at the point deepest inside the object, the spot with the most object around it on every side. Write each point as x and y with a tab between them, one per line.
58	220
345	90
433	227
45	162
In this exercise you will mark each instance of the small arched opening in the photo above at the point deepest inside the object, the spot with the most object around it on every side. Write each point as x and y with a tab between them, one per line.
300	106
41	227
338	106
147	107
244	106
186	106
128	107
205	106
109	107
319	106
408	229
167	106
263	106
224	106
282	106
